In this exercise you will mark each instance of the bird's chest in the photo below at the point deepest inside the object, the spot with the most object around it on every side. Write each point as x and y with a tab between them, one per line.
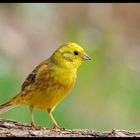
54	78
60	83
54	88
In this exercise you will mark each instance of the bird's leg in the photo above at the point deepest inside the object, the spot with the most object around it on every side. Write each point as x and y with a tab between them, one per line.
53	120
33	125
32	115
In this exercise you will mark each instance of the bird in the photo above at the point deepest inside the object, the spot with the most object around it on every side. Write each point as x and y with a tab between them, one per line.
47	85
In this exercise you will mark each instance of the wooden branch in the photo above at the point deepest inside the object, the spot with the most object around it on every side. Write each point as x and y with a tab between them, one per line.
12	128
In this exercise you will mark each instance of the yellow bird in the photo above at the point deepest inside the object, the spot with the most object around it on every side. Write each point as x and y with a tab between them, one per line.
50	81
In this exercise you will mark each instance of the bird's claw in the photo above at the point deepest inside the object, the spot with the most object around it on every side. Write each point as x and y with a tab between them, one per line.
56	127
35	127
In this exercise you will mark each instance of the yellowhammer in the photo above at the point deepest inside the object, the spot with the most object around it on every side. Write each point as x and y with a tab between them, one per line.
50	82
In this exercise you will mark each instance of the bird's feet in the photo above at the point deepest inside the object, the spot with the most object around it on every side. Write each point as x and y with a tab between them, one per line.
56	127
35	127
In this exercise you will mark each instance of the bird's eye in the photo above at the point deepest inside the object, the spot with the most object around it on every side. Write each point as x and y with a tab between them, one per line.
75	53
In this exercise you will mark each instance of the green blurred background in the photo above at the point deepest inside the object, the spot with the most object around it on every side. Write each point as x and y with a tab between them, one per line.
107	91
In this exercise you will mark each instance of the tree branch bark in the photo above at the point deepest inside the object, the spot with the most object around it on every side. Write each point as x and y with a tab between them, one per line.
10	128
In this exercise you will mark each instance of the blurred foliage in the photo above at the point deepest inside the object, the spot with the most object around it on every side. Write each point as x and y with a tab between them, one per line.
106	94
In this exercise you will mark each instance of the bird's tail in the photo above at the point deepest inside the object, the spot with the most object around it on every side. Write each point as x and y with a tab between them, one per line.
6	106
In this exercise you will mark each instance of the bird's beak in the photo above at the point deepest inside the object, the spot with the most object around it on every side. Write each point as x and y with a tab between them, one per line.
86	57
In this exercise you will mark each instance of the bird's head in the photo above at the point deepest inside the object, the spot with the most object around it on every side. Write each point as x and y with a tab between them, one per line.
69	55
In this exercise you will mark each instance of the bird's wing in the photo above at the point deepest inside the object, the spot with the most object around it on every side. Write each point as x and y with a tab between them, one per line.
32	76
30	79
